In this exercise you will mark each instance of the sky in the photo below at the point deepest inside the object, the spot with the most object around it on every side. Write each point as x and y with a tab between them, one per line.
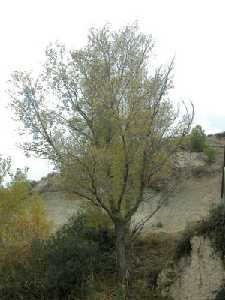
192	30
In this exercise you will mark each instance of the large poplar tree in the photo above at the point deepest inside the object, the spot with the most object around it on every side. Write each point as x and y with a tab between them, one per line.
103	115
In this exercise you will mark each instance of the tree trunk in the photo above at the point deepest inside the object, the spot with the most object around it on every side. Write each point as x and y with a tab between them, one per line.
121	231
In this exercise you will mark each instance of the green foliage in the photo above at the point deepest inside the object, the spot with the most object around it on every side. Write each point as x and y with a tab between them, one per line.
25	278
20	175
210	153
151	253
220	295
198	139
95	217
75	253
159	224
198	143
64	266
183	247
110	126
22	218
22	221
214	228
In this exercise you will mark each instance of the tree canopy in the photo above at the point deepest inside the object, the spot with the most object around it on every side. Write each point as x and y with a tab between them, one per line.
103	115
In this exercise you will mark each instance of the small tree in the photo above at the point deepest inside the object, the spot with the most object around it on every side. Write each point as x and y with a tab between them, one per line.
198	139
103	116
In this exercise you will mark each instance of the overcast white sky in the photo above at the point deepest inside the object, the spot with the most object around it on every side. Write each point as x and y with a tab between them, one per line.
194	30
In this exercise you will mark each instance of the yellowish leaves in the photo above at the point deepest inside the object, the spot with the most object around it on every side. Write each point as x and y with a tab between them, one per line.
22	220
32	223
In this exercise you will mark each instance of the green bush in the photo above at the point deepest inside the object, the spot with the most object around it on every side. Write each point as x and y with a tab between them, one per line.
198	139
210	153
25	278
183	248
214	228
75	253
63	267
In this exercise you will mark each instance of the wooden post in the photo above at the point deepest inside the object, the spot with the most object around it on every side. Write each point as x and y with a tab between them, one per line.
223	177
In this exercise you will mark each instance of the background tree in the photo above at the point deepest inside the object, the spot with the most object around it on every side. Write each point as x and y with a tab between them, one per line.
199	143
102	114
5	165
22	216
198	139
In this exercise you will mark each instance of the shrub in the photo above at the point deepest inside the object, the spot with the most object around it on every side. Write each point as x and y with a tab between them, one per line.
198	139
63	266
22	221
214	228
159	224
183	247
220	294
210	153
75	253
25	278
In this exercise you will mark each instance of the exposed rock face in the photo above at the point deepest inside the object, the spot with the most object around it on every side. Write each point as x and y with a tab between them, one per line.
197	277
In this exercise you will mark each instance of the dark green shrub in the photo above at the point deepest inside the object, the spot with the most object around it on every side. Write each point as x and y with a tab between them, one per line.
220	294
214	228
198	139
183	245
64	266
26	278
75	253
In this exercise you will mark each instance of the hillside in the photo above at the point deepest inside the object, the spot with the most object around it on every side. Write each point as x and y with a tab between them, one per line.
191	201
170	260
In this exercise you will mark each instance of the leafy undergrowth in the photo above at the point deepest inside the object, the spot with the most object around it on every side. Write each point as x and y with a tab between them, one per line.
151	254
79	262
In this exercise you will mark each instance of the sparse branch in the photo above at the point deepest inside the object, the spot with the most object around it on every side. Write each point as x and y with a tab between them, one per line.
140	225
140	198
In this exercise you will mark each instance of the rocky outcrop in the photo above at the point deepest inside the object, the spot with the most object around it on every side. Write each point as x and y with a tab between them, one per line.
198	276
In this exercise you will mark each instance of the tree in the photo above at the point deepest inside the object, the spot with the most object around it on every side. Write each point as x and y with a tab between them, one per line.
22	216
102	114
198	139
